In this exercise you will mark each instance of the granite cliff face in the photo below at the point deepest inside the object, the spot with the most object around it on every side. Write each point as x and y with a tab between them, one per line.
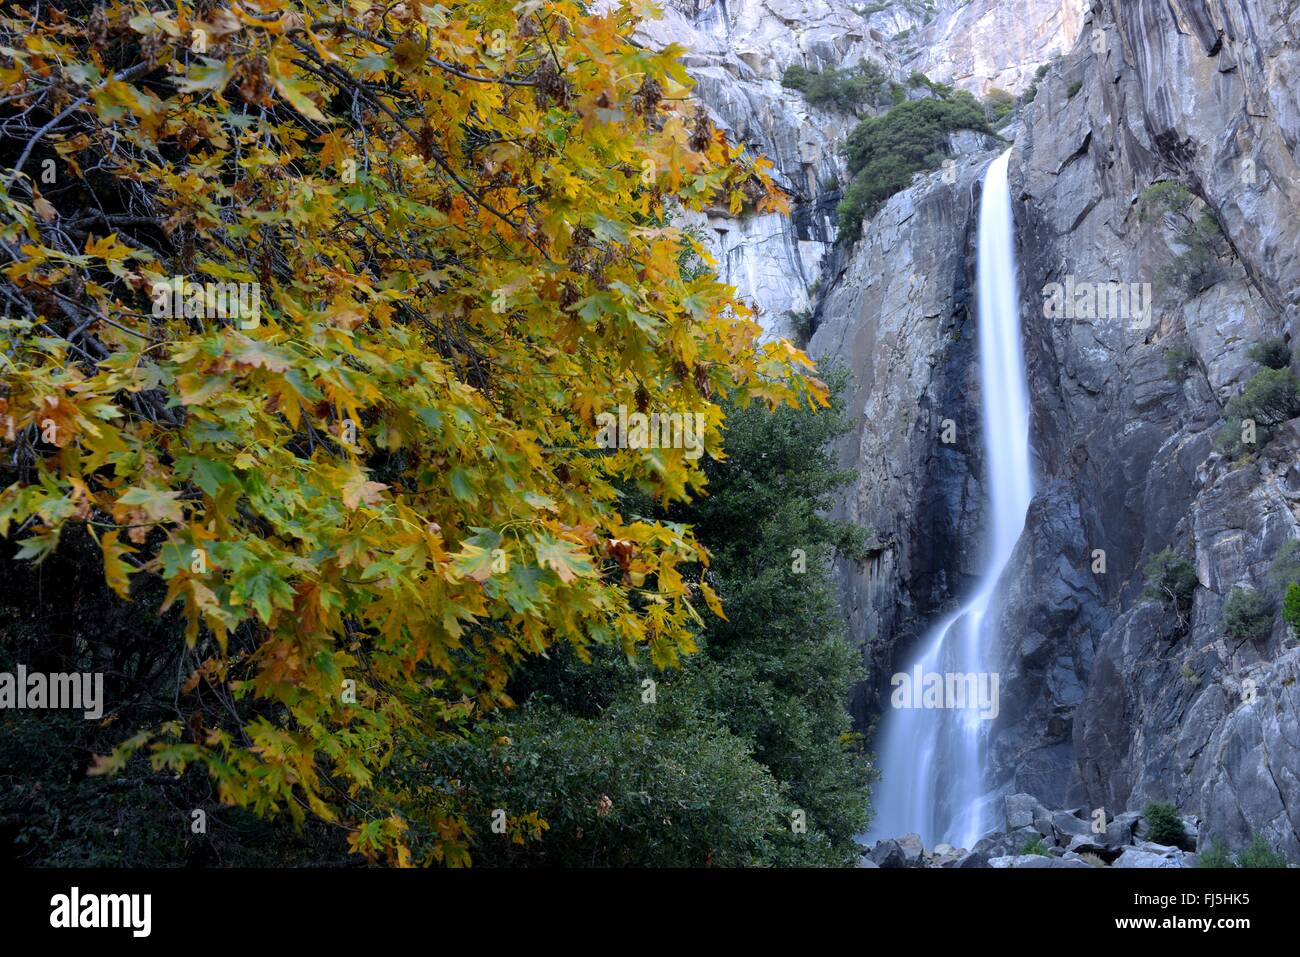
980	45
1103	701
1117	709
738	51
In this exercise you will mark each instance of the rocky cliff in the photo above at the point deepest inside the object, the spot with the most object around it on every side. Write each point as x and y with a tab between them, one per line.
1200	93
737	53
981	45
1105	701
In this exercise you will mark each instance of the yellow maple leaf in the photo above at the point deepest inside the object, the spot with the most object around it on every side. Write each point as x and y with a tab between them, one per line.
116	572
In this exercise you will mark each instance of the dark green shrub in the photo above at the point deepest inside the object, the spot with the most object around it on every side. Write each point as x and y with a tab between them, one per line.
1284	570
663	785
1247	615
1270	397
1179	360
1272	353
1232	441
1258	854
796	77
1163	199
1170	580
841	89
884	152
1073	89
1198	266
1166	827
1291	606
1216	856
801	324
998	105
1035	846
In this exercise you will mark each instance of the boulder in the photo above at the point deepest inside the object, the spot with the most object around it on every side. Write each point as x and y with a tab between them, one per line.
913	850
1099	848
1022	810
1066	825
1135	857
887	854
944	855
1119	832
1034	860
1072	856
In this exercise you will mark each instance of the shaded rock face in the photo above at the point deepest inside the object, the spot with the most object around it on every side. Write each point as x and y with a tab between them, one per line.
1105	703
1115	706
1102	701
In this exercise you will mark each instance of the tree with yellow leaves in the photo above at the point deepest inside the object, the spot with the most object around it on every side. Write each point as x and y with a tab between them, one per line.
310	309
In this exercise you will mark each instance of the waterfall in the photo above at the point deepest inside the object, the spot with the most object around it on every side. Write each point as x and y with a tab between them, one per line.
932	758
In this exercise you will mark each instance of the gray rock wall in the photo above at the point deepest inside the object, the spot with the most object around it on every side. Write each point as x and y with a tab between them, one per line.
1103	702
1202	93
1100	703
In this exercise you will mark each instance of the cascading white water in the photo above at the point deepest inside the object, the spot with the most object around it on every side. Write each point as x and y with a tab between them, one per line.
932	759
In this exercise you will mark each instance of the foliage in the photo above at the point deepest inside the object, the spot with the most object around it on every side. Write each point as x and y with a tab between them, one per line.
1271	353
51	813
768	691
1258	854
885	152
1166	827
1179	360
660	785
916	79
1247	615
841	89
1269	398
1291	606
1031	92
1198	266
1073	89
1170	580
801	323
1166	198
784	666
998	105
387	478
1035	845
1216	856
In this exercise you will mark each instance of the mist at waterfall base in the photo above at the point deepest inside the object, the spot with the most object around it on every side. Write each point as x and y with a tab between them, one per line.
931	760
